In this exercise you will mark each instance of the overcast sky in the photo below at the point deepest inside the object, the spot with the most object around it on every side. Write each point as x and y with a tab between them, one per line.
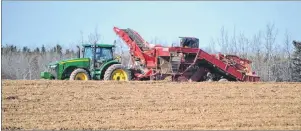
50	22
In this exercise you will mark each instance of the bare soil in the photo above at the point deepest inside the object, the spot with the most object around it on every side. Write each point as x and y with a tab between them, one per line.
98	105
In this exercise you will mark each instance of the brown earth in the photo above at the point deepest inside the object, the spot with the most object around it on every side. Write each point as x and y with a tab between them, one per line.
149	105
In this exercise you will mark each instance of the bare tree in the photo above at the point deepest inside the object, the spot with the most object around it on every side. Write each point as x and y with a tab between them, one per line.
288	51
82	37
270	38
270	60
233	49
256	48
94	37
243	43
212	46
223	41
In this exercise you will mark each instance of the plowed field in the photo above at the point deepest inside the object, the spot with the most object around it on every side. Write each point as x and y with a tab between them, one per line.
149	105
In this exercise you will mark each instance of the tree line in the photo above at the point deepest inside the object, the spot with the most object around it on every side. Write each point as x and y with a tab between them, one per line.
25	63
272	59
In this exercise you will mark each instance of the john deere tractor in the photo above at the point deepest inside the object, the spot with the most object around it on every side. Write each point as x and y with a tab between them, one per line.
94	62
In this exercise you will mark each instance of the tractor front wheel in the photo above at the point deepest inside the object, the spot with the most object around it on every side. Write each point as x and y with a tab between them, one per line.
117	72
79	74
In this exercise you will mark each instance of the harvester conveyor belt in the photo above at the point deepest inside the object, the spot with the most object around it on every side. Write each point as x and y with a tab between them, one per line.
135	37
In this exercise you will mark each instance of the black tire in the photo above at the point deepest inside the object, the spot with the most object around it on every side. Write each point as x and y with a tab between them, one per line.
77	71
109	72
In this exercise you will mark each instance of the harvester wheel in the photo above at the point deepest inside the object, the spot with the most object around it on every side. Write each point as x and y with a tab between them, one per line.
117	72
79	74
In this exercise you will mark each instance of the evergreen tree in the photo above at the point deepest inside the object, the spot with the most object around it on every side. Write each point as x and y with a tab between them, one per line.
296	62
43	50
25	49
59	49
53	50
13	48
37	50
67	52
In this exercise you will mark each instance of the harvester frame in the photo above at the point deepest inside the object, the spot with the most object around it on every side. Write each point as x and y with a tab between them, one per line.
184	63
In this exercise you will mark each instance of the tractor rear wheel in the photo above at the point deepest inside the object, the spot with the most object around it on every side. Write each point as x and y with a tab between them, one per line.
117	72
79	74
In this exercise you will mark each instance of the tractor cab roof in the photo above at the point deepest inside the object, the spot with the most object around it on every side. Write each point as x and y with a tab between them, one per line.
99	45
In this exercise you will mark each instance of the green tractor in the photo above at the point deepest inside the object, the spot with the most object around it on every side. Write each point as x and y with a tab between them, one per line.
97	62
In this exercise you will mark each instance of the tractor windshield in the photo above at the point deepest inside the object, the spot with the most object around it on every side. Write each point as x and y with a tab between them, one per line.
100	54
104	54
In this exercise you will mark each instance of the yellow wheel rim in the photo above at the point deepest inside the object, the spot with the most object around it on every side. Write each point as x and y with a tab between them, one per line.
81	76
119	75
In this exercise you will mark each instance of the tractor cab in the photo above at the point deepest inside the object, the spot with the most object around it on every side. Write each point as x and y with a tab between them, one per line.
100	53
189	42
